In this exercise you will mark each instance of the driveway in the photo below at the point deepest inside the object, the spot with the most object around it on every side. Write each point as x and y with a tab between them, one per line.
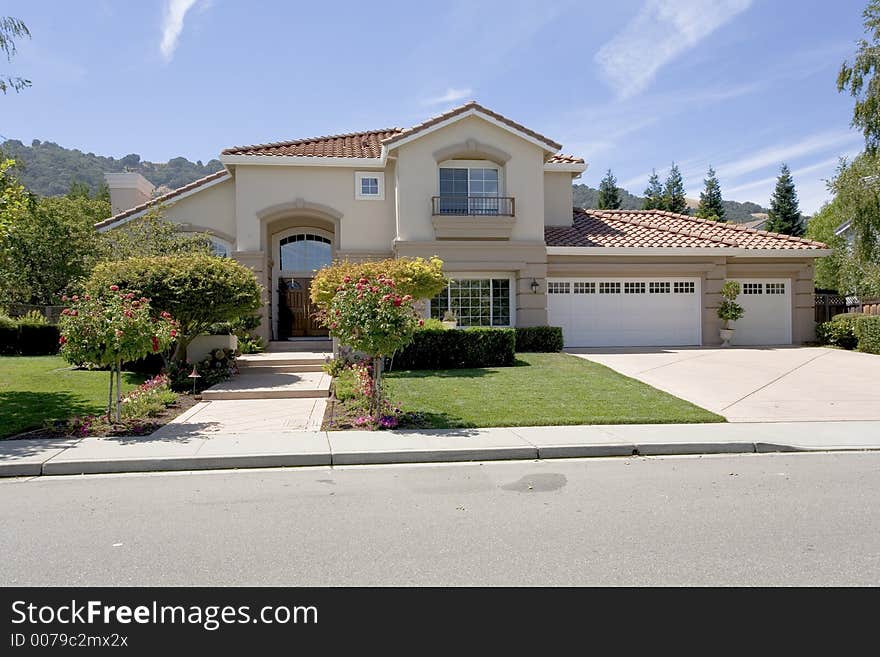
758	384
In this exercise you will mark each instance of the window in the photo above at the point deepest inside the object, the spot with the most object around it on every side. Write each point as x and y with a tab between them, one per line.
584	288
634	288
220	247
609	288
369	186
659	287
475	302
752	288
305	252
555	287
775	288
683	287
469	191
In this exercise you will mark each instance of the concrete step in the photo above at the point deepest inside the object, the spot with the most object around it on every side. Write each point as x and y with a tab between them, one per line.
300	344
271	385
282	358
266	368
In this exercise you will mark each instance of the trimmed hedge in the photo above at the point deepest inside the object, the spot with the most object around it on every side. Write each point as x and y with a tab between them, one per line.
868	333
433	349
840	331
25	338
546	339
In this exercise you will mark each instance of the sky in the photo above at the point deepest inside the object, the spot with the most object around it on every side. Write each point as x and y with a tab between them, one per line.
630	85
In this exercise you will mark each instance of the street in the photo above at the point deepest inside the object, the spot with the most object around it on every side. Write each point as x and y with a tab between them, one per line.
772	519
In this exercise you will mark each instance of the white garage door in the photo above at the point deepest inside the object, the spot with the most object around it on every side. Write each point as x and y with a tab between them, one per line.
767	320
626	312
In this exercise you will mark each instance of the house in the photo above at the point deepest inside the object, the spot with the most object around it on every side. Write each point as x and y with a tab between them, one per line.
493	199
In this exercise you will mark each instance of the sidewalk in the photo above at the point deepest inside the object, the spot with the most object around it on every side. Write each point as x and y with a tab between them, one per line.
187	450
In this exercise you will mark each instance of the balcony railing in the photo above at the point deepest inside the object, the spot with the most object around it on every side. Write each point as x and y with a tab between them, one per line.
464	206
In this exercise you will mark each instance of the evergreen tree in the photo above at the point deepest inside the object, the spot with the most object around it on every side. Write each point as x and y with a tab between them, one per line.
711	204
654	193
609	194
785	215
673	193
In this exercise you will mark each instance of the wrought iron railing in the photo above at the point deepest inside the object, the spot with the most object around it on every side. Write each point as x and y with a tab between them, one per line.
491	206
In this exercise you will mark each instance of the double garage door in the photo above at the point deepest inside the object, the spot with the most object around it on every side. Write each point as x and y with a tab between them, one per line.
660	311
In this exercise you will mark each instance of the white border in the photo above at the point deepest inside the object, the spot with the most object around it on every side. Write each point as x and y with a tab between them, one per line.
482	275
360	175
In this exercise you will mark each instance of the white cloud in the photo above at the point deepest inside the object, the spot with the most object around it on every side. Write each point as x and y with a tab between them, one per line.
452	95
172	25
661	31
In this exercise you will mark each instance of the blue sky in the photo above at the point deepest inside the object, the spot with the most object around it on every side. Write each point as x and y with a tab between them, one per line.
631	85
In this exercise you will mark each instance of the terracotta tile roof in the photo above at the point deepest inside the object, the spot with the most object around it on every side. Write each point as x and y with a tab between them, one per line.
161	199
369	144
559	158
354	144
658	228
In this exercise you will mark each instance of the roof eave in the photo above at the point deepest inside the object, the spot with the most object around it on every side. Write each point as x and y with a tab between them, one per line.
306	161
687	251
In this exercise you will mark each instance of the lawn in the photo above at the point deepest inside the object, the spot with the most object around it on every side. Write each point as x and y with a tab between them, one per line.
542	389
39	388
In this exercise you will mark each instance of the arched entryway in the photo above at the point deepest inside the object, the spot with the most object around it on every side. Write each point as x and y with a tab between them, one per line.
297	253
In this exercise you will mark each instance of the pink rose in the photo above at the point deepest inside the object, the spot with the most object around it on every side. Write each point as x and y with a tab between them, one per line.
114	288
118	333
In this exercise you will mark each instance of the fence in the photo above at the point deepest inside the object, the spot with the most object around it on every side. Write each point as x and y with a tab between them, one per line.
830	304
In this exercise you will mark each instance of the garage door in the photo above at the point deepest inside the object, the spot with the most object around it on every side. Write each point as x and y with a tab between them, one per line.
626	312
767	320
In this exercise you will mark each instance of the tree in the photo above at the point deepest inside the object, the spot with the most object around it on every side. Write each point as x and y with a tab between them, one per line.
785	215
654	193
196	289
151	235
821	227
673	192
711	203
609	194
861	78
418	277
10	30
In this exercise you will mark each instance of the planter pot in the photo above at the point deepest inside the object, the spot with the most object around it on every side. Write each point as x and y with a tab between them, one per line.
202	345
449	325
726	336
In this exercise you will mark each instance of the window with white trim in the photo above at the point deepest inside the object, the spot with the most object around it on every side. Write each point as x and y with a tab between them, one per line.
775	288
581	287
369	185
753	288
609	288
556	287
475	302
683	287
469	188
305	252
659	287
633	287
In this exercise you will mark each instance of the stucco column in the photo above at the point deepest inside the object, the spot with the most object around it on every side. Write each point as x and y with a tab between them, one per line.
803	325
712	281
256	261
531	307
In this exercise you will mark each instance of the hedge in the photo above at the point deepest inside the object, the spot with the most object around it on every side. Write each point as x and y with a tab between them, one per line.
27	339
433	349
868	333
539	339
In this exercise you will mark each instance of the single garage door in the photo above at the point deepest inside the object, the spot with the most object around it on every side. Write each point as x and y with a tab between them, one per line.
767	320
626	312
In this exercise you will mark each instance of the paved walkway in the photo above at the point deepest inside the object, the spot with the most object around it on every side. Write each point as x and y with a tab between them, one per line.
250	448
769	384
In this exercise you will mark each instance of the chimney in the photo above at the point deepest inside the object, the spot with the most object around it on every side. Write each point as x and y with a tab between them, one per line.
127	190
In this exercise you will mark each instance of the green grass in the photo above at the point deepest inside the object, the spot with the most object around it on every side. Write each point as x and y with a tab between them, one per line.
39	388
542	389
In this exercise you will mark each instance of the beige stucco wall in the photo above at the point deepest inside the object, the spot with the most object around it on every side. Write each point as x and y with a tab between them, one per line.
211	209
557	198
713	272
418	177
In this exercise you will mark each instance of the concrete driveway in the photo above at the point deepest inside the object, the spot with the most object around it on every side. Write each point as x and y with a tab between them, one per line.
758	384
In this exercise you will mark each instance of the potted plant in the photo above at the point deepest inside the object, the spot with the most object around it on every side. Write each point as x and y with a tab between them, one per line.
449	321
729	310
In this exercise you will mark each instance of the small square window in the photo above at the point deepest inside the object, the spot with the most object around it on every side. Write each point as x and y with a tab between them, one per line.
636	287
683	287
584	288
659	287
753	288
555	287
609	288
369	186
775	288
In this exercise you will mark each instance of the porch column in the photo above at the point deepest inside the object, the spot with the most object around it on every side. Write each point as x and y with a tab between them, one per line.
531	307
256	261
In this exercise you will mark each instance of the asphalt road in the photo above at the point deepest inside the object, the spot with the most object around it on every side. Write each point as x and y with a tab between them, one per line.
801	519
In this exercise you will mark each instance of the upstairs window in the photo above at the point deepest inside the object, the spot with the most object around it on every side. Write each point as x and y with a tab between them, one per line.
469	190
369	186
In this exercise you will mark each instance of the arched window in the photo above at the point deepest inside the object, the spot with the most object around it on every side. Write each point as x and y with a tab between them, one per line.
305	252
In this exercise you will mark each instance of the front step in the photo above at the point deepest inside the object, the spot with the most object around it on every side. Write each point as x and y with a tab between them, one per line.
267	368
301	344
282	358
271	385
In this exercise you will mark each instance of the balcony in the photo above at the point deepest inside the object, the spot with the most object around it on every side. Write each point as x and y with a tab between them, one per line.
473	206
472	217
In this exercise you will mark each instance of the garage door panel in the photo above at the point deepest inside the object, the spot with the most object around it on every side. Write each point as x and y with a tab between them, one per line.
767	318
626	311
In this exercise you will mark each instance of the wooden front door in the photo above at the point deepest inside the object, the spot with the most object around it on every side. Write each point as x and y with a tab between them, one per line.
296	311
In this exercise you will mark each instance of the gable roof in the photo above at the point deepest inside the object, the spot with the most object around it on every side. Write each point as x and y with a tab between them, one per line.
131	213
662	229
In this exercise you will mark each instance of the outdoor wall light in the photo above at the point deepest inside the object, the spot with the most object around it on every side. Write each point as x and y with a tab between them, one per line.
534	286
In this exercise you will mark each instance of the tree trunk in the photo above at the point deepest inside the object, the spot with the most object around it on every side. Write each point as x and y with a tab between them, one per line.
377	387
119	391
110	395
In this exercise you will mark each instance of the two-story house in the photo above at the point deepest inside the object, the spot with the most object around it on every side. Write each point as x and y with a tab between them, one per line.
493	199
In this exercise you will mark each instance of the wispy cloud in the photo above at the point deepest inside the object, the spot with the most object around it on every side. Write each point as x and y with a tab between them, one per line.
172	25
452	95
661	31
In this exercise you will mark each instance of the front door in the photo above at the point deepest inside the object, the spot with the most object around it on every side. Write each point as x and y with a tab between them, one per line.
296	311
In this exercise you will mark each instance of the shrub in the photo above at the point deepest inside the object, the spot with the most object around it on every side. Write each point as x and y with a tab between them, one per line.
149	399
432	324
868	333
539	339
8	336
729	310
454	349
840	331
420	278
217	367
30	335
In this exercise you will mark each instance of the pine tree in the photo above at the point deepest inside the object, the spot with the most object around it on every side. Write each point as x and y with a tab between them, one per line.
711	204
673	192
609	194
785	215
654	193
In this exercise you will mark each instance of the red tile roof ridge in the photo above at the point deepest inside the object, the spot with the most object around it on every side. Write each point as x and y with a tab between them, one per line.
233	150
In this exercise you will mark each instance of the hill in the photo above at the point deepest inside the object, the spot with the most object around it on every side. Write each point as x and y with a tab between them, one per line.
587	197
49	169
